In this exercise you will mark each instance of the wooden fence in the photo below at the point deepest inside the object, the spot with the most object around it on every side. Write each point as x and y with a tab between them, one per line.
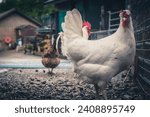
113	24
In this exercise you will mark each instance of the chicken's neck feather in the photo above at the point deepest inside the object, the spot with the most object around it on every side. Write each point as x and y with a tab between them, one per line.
125	32
85	33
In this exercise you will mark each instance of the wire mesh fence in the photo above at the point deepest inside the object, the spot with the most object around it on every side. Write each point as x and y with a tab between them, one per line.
141	20
143	56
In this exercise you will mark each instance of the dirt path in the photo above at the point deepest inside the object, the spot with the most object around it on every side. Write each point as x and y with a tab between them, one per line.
13	59
37	84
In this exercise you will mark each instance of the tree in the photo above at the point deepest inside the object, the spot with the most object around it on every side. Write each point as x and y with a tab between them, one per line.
33	8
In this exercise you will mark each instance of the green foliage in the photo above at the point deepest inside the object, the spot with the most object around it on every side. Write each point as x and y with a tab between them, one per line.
33	8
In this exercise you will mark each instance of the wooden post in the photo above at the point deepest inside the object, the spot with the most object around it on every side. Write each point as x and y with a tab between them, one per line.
109	20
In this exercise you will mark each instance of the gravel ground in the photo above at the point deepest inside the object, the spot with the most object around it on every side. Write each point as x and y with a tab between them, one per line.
37	84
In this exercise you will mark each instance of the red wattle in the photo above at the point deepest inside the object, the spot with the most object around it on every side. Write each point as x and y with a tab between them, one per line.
124	23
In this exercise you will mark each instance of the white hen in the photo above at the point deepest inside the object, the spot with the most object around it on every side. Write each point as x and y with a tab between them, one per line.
100	60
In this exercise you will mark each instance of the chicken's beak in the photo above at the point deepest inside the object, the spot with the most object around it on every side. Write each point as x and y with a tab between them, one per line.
124	18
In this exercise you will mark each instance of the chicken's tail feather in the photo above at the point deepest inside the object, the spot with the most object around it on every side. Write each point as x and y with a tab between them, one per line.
72	27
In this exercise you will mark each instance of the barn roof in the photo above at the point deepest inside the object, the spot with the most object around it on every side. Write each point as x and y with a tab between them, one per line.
54	1
24	26
11	11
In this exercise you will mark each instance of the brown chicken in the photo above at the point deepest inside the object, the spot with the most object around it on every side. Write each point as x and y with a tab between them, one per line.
50	59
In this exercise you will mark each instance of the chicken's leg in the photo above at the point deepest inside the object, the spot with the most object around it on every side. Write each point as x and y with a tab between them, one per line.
50	71
97	90
104	94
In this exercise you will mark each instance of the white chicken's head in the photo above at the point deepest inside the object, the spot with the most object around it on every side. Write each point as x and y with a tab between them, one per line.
125	17
87	25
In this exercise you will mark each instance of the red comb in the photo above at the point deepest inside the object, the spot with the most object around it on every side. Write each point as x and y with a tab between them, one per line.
86	23
124	13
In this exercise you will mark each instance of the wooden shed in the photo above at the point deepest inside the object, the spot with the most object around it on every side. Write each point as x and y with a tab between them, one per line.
12	19
91	10
27	32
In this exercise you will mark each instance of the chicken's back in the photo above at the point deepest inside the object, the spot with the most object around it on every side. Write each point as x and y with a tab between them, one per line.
100	59
94	51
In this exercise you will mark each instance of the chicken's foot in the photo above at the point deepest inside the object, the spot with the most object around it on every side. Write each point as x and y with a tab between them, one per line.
50	72
104	94
97	89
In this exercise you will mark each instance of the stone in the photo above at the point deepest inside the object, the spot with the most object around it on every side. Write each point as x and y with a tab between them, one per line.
32	79
127	97
43	82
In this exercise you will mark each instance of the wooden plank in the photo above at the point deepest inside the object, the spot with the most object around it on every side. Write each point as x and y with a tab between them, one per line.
114	25
117	12
144	69
114	19
146	80
147	61
143	49
145	40
148	19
